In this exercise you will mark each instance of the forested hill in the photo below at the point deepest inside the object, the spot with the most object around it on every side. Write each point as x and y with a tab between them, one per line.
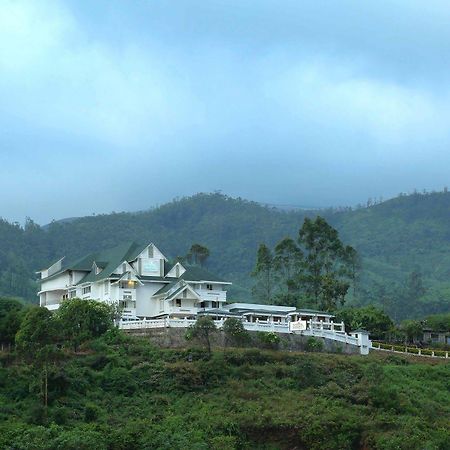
405	236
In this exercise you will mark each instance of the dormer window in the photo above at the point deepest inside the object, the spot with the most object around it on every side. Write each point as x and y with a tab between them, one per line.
209	287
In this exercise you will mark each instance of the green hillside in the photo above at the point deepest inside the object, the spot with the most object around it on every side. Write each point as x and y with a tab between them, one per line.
121	393
396	238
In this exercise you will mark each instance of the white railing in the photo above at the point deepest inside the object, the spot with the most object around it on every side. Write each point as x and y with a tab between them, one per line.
267	326
344	338
338	336
184	323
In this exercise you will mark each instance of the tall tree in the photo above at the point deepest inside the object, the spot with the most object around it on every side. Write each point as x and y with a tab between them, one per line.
198	254
35	341
264	273
327	266
288	262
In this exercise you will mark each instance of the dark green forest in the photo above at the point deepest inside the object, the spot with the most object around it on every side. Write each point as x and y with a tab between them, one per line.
403	244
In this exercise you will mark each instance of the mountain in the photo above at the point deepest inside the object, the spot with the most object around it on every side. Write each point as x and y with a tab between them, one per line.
399	240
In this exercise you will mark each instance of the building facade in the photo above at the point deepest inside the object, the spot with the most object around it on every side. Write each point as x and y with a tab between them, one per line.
138	278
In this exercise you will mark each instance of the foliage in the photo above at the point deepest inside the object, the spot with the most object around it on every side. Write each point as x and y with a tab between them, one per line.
370	318
81	320
314	344
393	239
129	395
11	315
412	330
269	339
327	263
198	254
265	275
438	322
37	331
318	269
234	330
202	330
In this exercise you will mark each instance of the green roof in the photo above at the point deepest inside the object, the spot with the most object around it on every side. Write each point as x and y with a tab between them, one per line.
166	288
109	260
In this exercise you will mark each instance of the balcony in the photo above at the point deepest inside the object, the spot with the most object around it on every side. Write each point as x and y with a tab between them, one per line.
127	294
212	296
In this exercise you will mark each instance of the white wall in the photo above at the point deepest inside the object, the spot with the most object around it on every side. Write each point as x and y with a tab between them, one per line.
145	306
59	282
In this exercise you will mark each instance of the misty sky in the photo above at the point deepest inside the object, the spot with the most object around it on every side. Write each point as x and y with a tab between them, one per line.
122	105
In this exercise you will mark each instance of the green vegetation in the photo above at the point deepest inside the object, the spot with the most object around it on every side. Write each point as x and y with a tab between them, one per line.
402	243
87	386
121	393
316	271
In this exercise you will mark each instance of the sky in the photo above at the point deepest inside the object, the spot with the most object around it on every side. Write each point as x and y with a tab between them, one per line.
124	105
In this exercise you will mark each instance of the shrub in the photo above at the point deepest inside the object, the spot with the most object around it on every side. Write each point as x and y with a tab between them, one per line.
314	345
235	332
268	339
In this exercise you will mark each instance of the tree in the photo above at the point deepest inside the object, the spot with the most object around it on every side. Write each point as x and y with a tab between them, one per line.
82	320
327	264
35	341
11	315
288	262
264	272
202	330
370	318
198	254
412	329
235	332
38	329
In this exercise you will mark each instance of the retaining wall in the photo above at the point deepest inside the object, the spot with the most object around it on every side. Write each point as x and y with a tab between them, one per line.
175	338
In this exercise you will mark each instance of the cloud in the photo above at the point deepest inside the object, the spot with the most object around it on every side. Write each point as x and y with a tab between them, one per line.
292	102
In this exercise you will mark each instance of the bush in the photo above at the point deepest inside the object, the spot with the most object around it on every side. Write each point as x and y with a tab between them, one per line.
235	332
314	345
268	339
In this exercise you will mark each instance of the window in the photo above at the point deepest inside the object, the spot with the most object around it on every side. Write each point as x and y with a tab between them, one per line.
127	297
177	271
124	267
214	305
150	251
86	290
209	287
65	296
72	294
185	294
178	302
202	304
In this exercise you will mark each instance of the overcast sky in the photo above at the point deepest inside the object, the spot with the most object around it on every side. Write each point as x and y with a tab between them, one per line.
122	105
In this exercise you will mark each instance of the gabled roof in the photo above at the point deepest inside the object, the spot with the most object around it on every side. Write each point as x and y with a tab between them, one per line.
109	260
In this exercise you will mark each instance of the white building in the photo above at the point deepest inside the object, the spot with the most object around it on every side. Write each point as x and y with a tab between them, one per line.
136	277
153	293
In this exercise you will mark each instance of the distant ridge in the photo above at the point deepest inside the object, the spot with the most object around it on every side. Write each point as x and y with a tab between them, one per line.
395	238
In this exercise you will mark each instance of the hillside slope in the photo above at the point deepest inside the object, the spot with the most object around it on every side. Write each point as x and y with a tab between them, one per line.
394	238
